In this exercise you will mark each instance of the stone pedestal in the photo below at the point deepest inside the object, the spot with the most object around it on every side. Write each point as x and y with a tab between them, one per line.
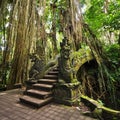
67	93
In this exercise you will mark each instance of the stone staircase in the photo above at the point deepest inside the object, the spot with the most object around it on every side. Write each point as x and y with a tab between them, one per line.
41	92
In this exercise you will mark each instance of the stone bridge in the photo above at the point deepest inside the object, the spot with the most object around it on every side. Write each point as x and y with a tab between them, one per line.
67	90
80	57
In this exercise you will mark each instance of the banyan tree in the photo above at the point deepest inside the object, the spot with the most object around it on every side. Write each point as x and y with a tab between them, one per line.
40	34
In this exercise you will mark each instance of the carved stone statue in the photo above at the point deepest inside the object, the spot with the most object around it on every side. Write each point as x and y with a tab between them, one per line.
37	66
66	71
66	91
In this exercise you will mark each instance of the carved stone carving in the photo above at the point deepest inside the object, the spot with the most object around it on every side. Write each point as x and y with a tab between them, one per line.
67	94
37	67
66	71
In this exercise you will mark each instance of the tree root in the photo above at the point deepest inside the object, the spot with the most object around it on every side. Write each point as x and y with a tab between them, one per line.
100	106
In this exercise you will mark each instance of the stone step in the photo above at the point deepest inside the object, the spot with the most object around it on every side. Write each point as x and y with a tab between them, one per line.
50	76
38	93
47	81
30	82
35	101
53	72
42	86
56	69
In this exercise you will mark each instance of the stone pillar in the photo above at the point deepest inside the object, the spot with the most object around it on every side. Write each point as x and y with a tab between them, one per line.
66	91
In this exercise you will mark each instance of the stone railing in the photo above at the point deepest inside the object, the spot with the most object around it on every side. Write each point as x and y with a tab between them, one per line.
39	69
66	91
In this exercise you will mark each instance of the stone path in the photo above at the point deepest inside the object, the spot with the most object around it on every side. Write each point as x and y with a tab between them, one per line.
11	109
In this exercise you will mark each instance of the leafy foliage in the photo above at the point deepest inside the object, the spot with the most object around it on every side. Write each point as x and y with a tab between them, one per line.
114	58
94	16
101	17
113	16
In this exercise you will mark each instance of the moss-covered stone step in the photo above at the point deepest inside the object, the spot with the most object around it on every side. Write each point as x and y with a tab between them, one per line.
30	82
56	69
53	72
47	81
38	93
42	86
35	101
51	76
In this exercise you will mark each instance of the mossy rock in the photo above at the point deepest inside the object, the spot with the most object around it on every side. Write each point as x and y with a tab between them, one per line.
3	87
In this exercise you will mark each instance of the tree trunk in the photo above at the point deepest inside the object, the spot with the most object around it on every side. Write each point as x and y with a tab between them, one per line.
6	55
41	33
54	40
70	20
20	59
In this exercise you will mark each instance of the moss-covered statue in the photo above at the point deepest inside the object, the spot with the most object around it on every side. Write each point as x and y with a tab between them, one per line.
66	91
37	67
66	71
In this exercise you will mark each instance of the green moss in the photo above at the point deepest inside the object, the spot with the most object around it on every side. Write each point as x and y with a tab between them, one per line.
80	57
